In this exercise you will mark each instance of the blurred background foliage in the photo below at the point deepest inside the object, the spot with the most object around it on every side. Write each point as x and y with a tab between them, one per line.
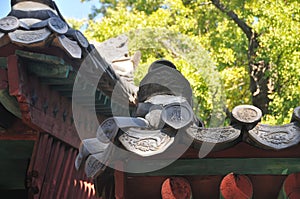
210	49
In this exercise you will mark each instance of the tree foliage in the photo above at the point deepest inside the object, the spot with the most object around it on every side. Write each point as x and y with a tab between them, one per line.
199	25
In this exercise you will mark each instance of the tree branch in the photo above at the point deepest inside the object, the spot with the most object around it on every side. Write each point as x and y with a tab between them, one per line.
245	28
257	69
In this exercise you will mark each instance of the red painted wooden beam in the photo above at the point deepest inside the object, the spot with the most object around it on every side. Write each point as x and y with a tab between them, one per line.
46	110
18	131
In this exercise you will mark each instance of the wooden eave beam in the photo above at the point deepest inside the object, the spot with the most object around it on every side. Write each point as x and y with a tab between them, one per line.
44	109
222	166
18	131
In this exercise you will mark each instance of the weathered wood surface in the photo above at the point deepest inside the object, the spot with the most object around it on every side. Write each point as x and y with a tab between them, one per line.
16	130
44	108
64	85
51	173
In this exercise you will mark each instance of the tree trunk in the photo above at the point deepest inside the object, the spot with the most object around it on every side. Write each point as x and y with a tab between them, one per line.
259	82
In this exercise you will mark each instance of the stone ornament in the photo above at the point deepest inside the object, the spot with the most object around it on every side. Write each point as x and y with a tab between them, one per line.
142	109
247	114
96	163
88	147
24	37
109	128
81	39
177	115
9	23
57	25
221	136
153	83
154	117
71	47
159	110
145	142
275	137
95	154
107	131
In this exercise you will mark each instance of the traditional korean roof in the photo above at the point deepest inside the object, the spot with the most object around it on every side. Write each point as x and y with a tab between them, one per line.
153	142
164	124
164	113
